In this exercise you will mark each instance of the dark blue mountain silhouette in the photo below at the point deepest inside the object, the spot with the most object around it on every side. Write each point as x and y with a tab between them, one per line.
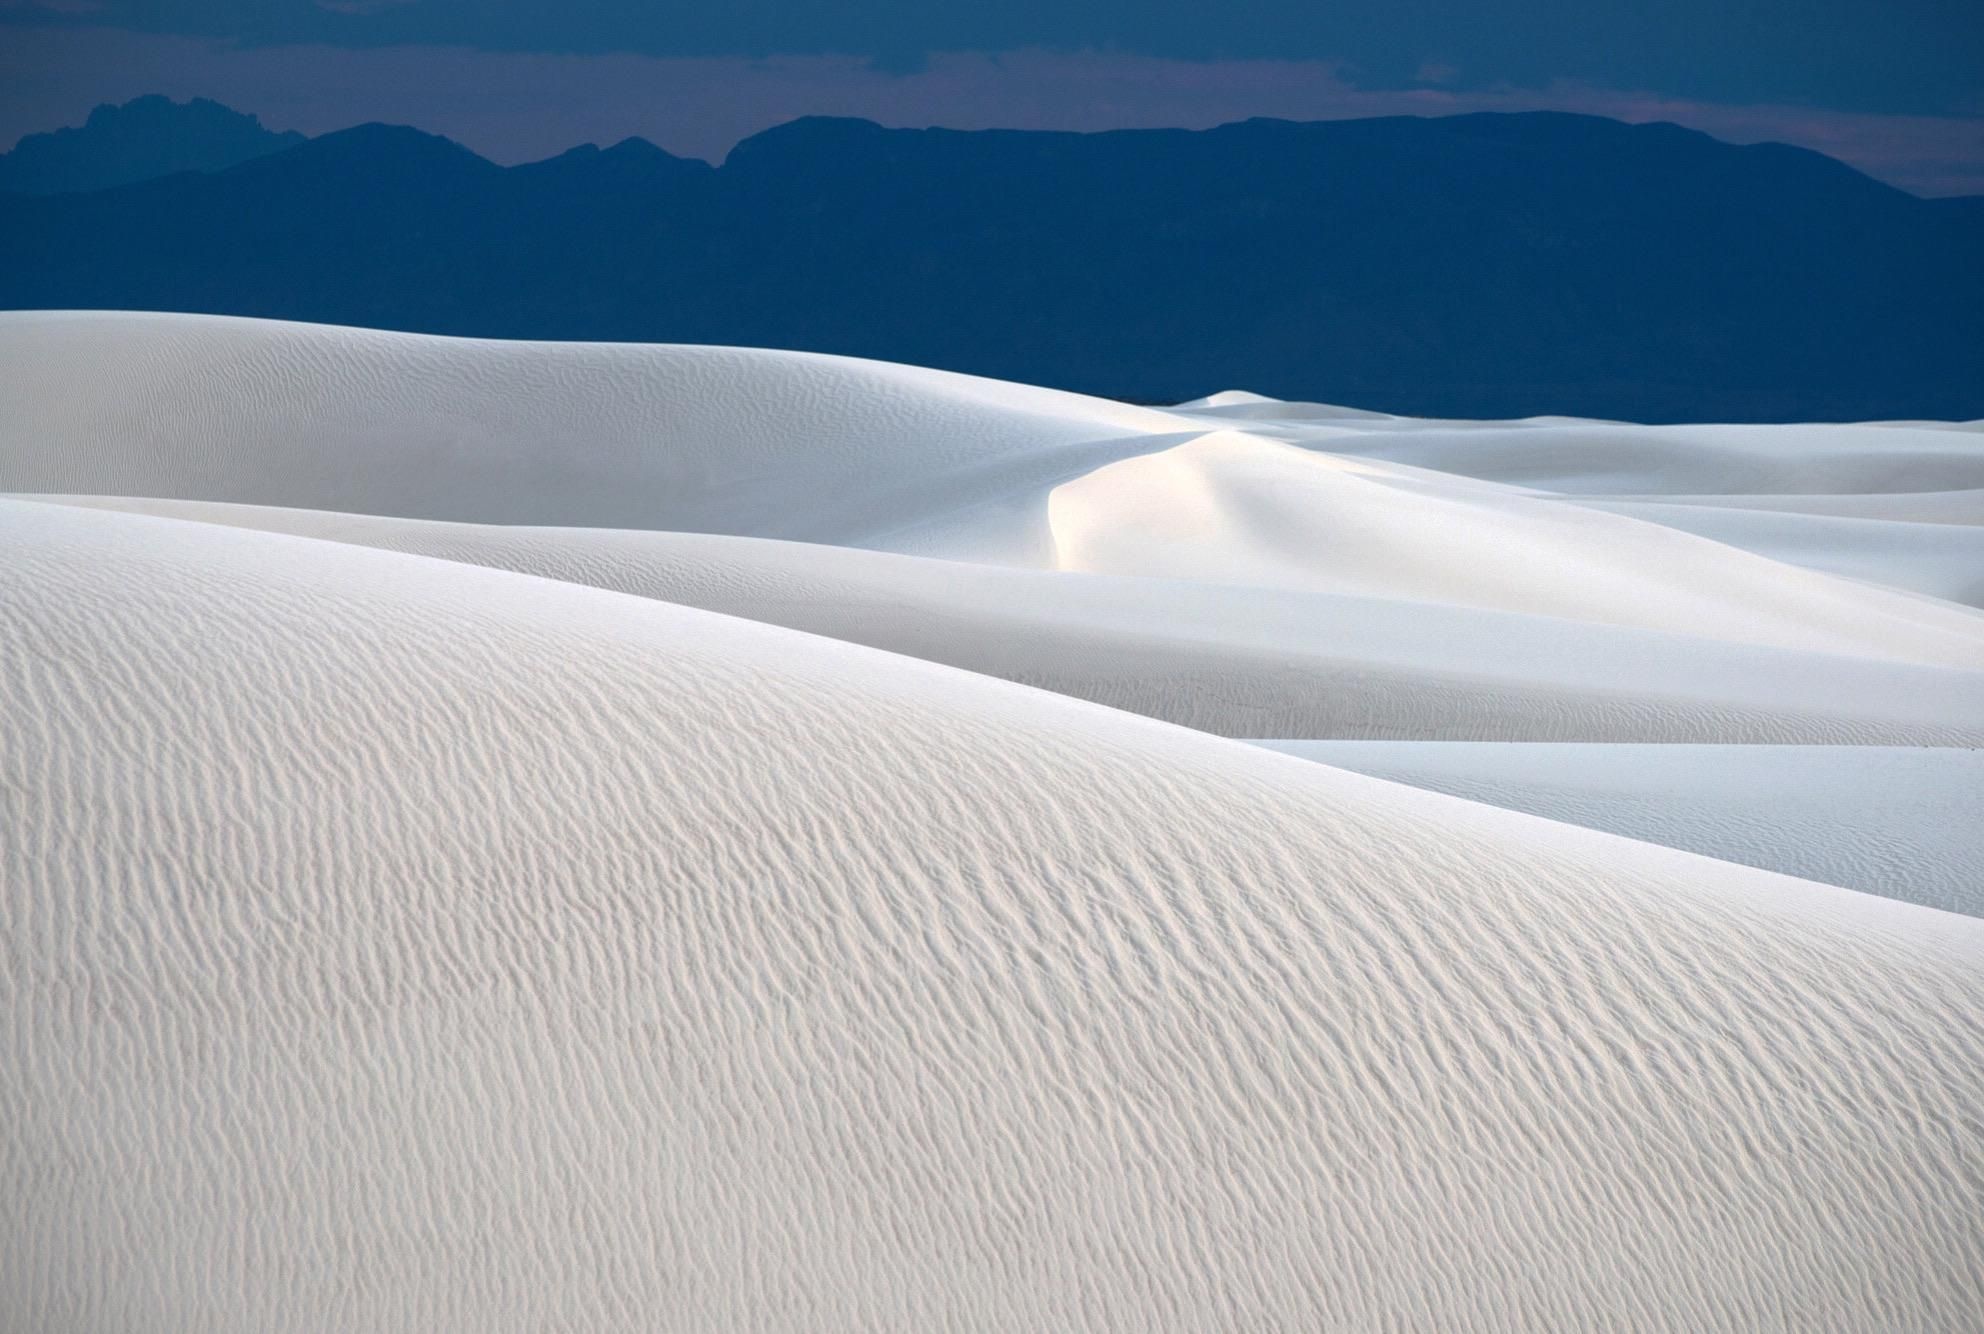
145	138
1476	265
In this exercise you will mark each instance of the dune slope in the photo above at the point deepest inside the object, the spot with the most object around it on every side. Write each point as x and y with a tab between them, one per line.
1290	578
1899	821
1236	660
568	959
1241	509
866	454
708	439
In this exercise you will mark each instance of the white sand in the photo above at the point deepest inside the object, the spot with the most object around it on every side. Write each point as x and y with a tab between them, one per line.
1943	559
396	944
1896	821
1240	509
411	924
1238	661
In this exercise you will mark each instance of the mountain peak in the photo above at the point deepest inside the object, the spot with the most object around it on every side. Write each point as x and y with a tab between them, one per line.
804	133
141	139
379	146
629	159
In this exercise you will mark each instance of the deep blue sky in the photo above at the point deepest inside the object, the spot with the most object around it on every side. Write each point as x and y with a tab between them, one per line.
1897	85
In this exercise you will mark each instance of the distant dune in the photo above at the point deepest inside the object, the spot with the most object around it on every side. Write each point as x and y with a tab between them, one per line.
514	836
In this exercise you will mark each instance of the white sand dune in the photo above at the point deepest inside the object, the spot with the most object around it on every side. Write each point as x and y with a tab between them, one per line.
706	439
1238	661
398	944
1896	821
1600	458
1940	559
859	453
1240	509
1959	507
506	836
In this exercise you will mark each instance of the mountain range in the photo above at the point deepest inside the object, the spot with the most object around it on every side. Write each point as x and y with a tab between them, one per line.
1478	265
